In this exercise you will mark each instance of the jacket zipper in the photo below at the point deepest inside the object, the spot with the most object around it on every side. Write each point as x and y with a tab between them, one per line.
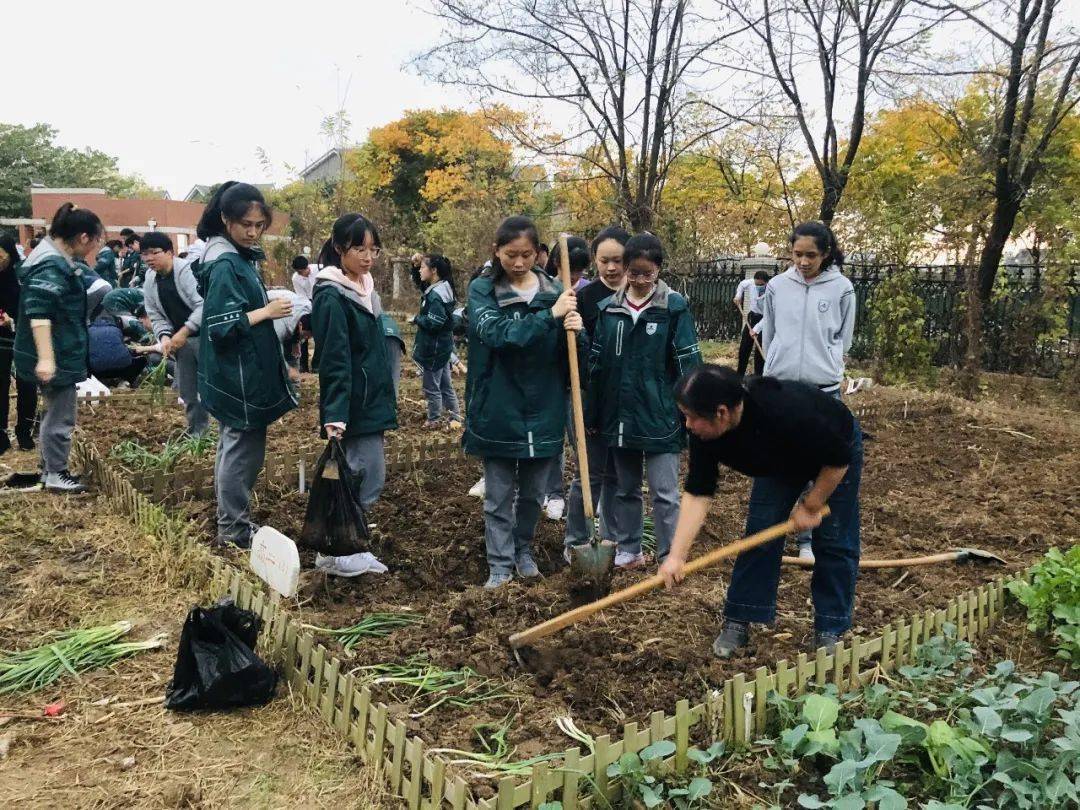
802	336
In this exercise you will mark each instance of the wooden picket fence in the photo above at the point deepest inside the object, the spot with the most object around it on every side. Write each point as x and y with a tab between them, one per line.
736	712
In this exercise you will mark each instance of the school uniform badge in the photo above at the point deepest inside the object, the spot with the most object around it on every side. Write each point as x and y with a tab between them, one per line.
822	306
650	328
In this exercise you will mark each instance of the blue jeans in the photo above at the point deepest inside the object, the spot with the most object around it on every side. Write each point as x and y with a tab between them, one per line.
440	393
751	596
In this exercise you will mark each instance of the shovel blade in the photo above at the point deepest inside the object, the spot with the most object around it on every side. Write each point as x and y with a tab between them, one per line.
978	555
591	567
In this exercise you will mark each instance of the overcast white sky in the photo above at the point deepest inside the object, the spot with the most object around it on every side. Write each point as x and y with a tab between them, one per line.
199	85
184	93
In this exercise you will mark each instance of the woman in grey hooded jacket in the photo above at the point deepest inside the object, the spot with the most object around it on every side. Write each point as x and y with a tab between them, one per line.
809	319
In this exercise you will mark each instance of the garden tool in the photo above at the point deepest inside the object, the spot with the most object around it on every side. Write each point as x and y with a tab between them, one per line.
753	337
959	555
591	563
563	620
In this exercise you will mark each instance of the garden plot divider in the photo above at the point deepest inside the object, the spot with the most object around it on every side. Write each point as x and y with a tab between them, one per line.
736	712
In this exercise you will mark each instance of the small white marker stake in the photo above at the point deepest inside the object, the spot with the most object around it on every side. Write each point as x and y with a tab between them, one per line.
303	476
275	559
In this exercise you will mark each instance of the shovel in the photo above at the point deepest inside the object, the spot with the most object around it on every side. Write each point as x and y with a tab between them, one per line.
957	555
563	620
591	563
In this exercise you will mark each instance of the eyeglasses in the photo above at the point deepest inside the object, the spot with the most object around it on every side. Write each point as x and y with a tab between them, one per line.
641	273
152	252
363	251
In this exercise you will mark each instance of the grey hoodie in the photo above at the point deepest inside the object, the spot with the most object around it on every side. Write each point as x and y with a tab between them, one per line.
186	287
808	327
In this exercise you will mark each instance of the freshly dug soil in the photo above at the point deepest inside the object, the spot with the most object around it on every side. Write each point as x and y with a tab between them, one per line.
932	483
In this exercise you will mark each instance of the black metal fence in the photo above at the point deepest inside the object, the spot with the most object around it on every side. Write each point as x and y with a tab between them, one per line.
1022	332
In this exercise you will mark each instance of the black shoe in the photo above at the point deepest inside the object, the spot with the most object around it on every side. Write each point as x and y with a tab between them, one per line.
732	636
5	442
25	438
825	639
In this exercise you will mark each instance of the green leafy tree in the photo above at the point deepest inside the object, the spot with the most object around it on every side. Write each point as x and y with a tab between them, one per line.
898	315
30	155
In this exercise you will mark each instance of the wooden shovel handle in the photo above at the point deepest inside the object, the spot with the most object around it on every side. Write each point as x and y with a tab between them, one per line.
902	562
575	390
574	616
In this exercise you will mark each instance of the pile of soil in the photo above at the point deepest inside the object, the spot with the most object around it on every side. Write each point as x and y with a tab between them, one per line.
933	483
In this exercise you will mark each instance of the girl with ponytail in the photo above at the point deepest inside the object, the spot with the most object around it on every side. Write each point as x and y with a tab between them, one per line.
51	341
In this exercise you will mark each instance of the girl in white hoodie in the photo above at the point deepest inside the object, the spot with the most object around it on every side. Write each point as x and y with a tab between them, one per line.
809	318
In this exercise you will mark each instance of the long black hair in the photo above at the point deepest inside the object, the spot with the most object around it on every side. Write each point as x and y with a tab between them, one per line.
7	244
231	201
443	269
825	240
578	251
510	229
348	230
70	221
704	389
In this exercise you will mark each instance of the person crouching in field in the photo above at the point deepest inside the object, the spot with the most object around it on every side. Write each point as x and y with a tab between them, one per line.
356	390
51	340
643	341
435	339
243	380
515	392
172	301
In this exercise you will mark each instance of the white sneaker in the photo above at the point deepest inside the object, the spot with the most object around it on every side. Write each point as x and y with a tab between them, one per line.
350	565
63	482
478	489
806	553
554	508
624	559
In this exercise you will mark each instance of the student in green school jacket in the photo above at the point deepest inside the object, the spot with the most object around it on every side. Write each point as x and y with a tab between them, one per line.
243	379
356	389
51	342
643	341
515	392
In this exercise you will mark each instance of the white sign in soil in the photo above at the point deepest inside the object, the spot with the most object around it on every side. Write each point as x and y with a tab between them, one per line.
275	559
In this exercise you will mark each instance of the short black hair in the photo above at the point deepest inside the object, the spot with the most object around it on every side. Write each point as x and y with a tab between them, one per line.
543	248
299	262
114	244
131	240
704	389
616	232
126	232
155	239
761	275
644	246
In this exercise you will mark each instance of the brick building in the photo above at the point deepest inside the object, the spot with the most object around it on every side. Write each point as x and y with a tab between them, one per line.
177	218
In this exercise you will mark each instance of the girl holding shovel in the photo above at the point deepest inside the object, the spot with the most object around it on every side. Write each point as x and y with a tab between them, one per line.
515	392
784	434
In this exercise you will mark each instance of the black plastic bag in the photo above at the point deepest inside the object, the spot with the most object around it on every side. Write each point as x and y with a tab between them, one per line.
216	665
335	523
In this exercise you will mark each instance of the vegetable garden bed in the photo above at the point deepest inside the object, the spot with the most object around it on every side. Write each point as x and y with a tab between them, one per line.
628	677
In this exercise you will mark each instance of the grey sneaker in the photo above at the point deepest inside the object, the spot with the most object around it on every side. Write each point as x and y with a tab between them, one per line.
526	568
733	635
823	638
63	482
497	581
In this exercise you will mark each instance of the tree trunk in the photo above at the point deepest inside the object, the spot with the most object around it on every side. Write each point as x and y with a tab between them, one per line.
830	199
1001	226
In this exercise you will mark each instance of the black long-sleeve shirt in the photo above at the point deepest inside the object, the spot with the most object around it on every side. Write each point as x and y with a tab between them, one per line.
788	430
589	298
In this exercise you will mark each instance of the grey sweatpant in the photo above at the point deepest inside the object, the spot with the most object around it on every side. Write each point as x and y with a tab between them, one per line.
509	527
240	456
441	396
57	424
365	455
662	472
187	383
602	484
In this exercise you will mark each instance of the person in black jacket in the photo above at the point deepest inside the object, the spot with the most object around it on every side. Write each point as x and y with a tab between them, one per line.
783	434
26	392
